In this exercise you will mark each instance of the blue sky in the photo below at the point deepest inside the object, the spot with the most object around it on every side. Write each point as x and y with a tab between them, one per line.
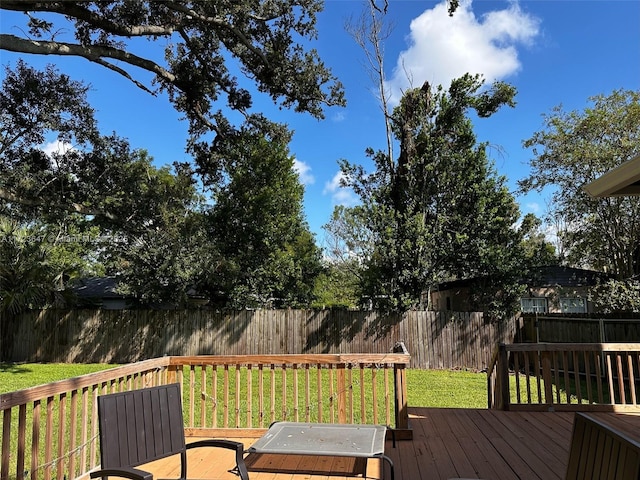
553	52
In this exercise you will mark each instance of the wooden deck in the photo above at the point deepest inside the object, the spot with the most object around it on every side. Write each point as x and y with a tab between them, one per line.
447	443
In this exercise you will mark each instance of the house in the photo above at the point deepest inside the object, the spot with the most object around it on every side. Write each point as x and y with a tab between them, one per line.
550	289
103	292
100	292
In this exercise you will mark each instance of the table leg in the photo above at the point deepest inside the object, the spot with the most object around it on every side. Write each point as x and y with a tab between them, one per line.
387	460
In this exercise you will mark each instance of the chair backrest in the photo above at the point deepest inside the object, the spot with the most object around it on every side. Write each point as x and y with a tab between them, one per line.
599	451
140	426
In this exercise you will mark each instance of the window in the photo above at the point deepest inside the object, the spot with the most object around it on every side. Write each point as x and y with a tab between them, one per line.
533	305
573	305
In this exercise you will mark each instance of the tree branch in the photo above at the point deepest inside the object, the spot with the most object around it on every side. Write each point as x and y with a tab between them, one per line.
72	9
71	207
93	53
219	22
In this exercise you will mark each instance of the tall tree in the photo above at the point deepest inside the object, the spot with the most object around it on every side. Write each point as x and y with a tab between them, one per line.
267	253
573	149
438	211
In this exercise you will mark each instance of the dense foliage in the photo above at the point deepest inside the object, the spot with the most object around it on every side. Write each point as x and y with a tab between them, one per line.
203	42
235	239
439	211
573	149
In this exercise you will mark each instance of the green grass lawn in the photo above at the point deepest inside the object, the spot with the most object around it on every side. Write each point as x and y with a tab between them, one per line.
17	376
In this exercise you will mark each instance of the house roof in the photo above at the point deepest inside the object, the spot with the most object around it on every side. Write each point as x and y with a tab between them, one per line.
97	287
564	277
552	275
623	180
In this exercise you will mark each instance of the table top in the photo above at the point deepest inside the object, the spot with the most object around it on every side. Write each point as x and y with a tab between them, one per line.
322	439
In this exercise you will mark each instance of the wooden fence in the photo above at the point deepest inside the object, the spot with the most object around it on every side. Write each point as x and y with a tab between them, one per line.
579	328
436	340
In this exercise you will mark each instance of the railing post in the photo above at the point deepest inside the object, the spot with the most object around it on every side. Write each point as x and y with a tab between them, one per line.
503	377
546	376
172	373
399	375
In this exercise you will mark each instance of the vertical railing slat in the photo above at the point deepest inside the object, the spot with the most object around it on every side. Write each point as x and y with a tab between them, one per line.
22	436
307	392
203	396
261	394
296	413
374	392
6	444
319	392
225	402
620	370
576	376
35	439
632	380
72	434
214	394
237	396
62	425
249	396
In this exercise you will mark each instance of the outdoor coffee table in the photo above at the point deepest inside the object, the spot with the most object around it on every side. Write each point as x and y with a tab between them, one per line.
329	439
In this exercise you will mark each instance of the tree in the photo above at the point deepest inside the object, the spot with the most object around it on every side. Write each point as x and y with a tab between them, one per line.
573	149
438	211
537	250
348	243
99	178
267	253
95	200
31	276
201	41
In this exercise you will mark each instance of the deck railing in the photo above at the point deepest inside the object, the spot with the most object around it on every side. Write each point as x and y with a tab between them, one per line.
50	431
565	376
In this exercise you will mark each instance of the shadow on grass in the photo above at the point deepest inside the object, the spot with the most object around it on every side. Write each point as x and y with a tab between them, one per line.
13	368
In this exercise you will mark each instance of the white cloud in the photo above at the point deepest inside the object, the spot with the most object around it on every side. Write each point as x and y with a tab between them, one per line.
533	207
304	172
339	117
59	148
56	147
339	194
442	48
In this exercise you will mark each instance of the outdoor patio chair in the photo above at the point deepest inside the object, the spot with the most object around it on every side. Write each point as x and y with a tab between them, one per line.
141	426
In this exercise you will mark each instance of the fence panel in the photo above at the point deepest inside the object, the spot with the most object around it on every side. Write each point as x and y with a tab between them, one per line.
437	340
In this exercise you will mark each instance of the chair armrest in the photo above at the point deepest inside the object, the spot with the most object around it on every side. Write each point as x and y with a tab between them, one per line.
214	442
126	472
230	445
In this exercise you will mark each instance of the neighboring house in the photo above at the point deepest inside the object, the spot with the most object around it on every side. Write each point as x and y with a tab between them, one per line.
551	289
100	292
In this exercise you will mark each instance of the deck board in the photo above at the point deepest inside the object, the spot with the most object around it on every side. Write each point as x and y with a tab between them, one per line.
447	443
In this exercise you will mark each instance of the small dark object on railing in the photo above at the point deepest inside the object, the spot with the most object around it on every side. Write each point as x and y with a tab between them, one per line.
400	347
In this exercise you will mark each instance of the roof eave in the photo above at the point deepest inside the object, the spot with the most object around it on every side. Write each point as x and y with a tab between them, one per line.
623	180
